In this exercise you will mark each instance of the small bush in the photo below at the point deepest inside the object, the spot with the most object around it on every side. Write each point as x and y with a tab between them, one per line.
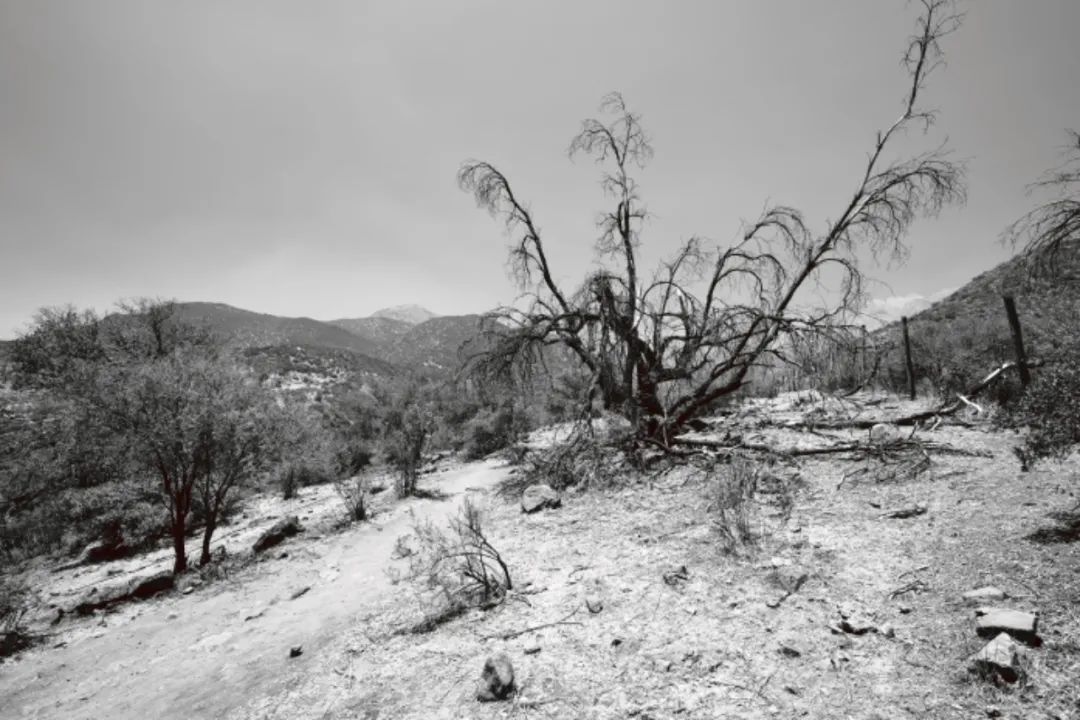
1050	408
354	492
731	497
459	564
14	598
294	475
354	458
492	430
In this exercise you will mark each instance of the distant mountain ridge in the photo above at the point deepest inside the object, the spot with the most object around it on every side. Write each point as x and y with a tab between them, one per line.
412	314
250	329
398	339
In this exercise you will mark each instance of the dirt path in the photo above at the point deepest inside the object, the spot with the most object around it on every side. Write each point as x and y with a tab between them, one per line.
200	655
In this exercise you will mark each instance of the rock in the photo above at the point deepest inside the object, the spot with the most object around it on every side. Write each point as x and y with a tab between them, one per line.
594	603
105	551
284	528
296	651
531	649
855	621
137	589
984	594
539	496
999	660
1022	626
885	433
152	585
497	679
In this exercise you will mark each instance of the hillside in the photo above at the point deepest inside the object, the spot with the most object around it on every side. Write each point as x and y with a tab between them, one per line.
435	345
250	329
380	330
969	327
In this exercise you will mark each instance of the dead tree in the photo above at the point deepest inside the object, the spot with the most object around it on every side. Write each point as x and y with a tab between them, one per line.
1054	225
656	351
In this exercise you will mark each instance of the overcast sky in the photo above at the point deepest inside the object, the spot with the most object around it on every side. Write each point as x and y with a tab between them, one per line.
298	158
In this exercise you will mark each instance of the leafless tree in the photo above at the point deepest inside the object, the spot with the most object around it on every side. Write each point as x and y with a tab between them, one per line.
1055	224
662	348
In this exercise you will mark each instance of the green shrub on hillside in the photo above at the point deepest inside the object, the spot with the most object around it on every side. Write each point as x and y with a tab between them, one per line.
492	429
1050	408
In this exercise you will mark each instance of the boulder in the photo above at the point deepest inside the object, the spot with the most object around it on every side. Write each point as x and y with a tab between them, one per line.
539	496
497	679
999	660
284	528
1022	626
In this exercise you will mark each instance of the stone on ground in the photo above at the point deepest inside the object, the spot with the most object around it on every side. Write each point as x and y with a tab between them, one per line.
999	659
284	528
885	433
539	496
984	594
497	679
1022	626
855	619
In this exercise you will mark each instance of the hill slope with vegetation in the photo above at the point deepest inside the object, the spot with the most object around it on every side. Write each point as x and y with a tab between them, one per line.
964	335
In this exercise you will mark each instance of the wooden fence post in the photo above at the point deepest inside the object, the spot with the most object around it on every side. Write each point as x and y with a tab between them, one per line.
907	357
1018	340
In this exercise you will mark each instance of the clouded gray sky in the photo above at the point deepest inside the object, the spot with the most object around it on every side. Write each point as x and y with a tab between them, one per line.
298	158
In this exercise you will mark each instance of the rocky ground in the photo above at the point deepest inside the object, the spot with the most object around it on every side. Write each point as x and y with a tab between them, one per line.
628	603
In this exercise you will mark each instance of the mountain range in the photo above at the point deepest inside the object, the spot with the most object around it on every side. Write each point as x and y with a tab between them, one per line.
402	338
969	324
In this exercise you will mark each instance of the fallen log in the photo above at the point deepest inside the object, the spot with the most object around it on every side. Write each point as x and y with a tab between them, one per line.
838	448
962	400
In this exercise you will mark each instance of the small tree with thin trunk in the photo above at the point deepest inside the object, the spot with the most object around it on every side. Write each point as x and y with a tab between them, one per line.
162	408
662	348
408	425
243	434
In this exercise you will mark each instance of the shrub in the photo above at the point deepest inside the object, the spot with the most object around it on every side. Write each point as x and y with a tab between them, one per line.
13	600
1050	408
14	597
294	475
492	430
353	458
459	564
730	497
354	494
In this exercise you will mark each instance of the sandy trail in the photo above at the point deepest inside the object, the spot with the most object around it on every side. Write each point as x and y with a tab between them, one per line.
203	654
